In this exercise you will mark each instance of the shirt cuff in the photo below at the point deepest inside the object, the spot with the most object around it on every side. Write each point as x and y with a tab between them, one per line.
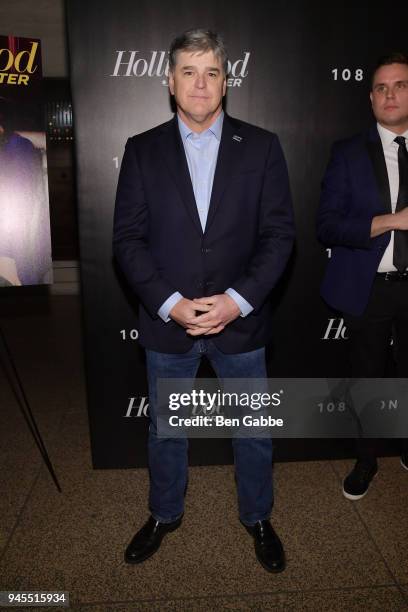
244	306
166	307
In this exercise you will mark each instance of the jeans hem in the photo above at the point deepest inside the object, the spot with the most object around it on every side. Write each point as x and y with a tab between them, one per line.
252	524
166	521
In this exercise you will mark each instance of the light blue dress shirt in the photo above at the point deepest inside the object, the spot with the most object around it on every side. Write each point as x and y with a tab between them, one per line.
201	152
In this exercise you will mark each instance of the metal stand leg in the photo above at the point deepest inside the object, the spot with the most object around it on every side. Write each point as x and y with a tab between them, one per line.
21	397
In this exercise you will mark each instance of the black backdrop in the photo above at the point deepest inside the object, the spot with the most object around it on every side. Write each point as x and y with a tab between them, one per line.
299	69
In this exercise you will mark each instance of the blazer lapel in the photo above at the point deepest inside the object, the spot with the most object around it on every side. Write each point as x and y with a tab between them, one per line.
174	155
229	155
376	153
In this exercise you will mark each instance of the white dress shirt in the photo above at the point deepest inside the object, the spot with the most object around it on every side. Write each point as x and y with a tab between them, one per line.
390	149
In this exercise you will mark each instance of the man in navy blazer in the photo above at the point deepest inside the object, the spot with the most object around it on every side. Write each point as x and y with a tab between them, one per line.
363	218
203	230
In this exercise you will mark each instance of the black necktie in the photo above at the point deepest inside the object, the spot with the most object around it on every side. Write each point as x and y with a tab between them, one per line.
400	258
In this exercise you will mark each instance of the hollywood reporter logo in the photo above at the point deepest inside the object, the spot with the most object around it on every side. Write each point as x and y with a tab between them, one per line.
16	69
156	64
137	407
335	330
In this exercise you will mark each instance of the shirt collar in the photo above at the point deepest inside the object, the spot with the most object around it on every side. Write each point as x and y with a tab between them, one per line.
215	128
388	137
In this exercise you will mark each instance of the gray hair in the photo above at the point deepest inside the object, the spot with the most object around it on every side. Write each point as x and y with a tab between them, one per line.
199	40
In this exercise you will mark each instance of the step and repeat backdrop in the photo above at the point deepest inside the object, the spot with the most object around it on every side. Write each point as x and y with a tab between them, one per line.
299	69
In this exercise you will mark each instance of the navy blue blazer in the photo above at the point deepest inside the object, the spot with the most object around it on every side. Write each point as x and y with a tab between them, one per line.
355	189
161	248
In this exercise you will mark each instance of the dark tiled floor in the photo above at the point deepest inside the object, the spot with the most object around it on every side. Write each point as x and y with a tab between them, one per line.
341	556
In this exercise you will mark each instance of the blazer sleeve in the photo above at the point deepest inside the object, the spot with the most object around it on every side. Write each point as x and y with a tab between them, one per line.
131	236
275	234
340	222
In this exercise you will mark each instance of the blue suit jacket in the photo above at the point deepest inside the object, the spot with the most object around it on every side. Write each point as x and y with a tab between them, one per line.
160	245
355	189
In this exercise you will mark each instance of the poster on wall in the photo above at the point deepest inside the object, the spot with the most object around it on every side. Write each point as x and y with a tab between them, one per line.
25	241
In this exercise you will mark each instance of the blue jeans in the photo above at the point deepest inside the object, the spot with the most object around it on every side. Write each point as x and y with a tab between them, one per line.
168	461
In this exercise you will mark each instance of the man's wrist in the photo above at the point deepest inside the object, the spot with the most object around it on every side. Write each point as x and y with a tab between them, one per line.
383	223
168	305
244	306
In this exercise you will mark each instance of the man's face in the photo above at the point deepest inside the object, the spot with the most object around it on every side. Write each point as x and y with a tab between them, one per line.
389	97
198	85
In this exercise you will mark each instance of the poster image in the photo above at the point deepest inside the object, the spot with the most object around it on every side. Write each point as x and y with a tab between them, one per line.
25	242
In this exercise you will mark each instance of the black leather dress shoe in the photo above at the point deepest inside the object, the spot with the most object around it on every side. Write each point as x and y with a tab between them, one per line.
268	547
147	541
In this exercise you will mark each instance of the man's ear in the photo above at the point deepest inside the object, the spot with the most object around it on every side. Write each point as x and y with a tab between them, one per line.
171	83
224	87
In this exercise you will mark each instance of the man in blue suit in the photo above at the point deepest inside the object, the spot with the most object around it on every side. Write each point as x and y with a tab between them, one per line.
363	218
203	230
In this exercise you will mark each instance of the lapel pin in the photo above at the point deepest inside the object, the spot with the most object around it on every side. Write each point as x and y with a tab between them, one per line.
237	138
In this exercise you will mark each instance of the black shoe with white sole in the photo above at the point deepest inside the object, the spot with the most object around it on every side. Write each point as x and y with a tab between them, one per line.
404	460
356	484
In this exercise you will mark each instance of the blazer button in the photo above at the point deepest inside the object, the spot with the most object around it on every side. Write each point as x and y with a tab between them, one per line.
200	285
